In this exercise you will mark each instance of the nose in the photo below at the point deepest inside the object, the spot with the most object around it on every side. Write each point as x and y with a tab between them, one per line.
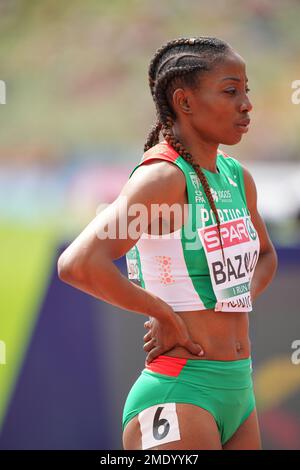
246	105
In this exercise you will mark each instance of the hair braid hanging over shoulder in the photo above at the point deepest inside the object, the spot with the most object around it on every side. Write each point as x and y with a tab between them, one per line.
182	61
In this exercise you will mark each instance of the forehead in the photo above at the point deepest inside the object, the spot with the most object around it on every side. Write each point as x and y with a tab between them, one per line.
231	67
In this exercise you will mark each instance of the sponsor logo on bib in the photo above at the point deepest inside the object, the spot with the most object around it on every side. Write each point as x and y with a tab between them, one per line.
251	230
231	281
214	194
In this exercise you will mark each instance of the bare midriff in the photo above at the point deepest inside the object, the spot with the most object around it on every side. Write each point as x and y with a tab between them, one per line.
224	336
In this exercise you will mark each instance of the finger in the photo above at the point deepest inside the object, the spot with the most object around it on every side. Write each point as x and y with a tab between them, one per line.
148	346
194	348
155	352
147	336
147	324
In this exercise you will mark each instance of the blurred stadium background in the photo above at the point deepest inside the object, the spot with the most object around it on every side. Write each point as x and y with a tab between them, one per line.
77	113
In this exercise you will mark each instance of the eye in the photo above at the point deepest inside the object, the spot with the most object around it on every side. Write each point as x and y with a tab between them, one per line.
232	91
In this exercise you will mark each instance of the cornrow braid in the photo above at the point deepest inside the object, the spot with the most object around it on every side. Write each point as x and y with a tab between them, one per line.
161	106
171	139
161	52
182	59
153	136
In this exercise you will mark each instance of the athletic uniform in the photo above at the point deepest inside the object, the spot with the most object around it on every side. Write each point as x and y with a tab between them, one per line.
186	270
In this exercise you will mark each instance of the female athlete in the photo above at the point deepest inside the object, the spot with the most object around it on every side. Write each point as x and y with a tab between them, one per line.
200	258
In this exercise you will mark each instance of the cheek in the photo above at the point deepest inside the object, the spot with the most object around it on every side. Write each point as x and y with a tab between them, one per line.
213	113
210	119
215	124
217	121
219	128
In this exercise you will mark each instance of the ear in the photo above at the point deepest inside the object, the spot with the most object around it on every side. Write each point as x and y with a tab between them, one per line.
181	101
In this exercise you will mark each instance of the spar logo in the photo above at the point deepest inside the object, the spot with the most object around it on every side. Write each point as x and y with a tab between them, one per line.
233	233
251	230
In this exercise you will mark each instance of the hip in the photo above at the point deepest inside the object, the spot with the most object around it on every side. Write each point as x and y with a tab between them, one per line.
218	386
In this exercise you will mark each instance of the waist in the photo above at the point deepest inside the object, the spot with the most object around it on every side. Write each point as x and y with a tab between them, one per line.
223	336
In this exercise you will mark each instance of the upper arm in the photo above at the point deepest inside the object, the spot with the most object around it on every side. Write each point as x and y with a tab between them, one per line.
251	196
119	226
153	183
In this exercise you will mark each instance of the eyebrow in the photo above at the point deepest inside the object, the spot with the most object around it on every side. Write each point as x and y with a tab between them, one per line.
233	78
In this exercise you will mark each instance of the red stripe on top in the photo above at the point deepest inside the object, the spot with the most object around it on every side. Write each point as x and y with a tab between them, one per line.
167	365
163	151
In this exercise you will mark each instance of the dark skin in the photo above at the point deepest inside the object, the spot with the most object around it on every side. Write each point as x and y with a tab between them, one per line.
207	117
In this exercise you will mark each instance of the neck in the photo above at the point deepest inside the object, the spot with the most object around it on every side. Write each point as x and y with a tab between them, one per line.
204	153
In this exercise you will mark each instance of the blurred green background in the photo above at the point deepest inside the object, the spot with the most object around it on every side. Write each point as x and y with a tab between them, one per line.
76	72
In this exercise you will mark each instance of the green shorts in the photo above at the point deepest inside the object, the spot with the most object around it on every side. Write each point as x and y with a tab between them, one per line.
224	388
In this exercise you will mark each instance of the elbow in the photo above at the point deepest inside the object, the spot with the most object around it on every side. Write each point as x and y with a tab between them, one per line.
79	267
63	270
67	269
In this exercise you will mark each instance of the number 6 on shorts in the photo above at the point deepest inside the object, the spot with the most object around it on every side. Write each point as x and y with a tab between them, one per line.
159	425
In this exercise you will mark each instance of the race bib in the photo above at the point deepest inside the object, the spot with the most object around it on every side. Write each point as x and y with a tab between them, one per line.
231	282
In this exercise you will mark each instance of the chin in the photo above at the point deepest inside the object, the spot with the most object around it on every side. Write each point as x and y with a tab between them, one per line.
231	140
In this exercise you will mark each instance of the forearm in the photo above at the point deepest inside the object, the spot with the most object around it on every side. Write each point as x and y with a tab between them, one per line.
264	272
104	281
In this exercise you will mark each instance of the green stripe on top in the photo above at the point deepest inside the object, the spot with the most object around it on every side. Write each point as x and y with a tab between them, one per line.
141	279
229	175
134	261
240	174
193	251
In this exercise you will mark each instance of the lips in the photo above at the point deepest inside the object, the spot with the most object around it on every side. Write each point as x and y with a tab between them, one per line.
243	125
243	122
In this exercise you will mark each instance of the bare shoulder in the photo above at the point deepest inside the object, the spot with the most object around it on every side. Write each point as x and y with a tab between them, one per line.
157	180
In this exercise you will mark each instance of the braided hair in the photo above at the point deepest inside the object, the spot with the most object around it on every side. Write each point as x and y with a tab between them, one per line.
179	63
